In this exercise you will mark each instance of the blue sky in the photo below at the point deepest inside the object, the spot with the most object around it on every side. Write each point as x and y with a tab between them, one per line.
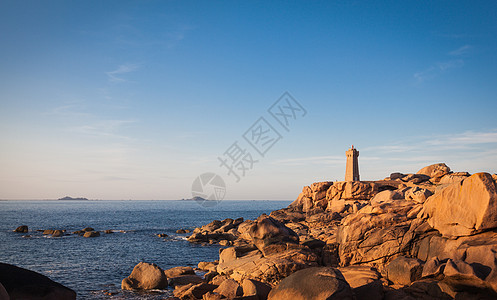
135	99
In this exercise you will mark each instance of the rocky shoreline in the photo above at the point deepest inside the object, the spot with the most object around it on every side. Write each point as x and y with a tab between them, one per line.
429	235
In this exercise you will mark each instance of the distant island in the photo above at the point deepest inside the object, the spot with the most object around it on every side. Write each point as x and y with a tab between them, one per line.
71	198
196	198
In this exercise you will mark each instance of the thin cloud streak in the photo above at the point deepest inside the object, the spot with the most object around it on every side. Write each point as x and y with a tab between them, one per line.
115	76
438	69
441	67
465	138
107	128
432	148
461	50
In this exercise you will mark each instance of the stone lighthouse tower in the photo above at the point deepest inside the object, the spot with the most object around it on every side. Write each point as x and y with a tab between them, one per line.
352	171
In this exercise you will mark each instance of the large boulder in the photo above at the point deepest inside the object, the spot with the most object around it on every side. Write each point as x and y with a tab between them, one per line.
404	270
313	284
193	291
364	281
21	283
270	236
229	289
255	288
435	170
145	276
178	271
464	208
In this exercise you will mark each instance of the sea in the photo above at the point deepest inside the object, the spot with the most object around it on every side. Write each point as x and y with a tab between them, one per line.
95	267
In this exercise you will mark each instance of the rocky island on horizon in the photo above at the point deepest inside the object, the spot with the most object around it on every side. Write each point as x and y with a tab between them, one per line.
71	198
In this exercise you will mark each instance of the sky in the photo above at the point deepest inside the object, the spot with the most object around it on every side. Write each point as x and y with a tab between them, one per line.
136	99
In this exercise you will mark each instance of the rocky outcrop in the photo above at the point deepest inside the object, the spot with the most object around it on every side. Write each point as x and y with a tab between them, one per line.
377	232
313	284
21	283
464	208
271	268
217	231
404	270
435	171
352	190
453	178
430	235
145	276
22	229
89	234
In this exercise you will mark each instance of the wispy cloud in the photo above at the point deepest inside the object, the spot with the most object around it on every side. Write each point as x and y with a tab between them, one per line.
461	50
465	139
391	148
472	151
437	69
70	109
106	128
116	75
453	35
457	141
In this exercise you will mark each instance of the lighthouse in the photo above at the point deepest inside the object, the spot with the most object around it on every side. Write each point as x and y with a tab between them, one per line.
352	170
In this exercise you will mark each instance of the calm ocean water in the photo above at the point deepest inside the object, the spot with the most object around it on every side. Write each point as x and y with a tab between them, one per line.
91	266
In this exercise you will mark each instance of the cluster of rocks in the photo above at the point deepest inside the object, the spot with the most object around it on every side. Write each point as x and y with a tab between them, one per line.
179	231
85	232
188	285
428	235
